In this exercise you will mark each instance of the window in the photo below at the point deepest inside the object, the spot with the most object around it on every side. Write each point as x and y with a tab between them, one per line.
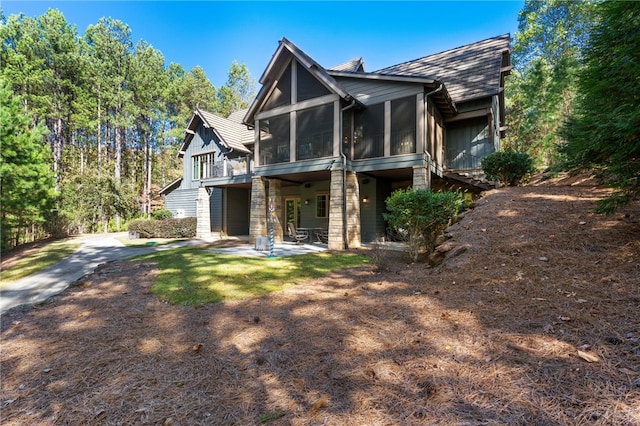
203	166
274	140
403	126
314	132
281	94
308	86
322	205
368	135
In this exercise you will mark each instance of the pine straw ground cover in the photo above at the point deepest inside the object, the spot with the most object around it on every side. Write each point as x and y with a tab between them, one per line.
535	323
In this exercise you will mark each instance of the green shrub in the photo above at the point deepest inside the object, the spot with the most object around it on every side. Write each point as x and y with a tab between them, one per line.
165	228
508	167
161	214
418	216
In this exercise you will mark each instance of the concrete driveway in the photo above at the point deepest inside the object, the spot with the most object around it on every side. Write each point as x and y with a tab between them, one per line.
94	250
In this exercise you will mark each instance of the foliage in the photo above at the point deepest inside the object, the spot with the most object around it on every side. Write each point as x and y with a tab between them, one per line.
508	167
165	228
238	91
195	276
88	202
604	131
26	179
162	214
113	109
546	55
44	257
418	216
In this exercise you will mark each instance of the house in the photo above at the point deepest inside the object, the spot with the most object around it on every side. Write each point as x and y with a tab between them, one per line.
216	178
329	145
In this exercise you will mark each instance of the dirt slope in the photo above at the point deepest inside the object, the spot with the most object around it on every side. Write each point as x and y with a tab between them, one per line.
536	322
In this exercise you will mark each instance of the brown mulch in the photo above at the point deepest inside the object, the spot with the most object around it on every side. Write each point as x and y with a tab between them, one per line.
536	322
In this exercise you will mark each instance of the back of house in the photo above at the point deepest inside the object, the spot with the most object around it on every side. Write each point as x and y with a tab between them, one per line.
323	148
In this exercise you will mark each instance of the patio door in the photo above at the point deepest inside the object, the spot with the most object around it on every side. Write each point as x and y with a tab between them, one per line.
292	210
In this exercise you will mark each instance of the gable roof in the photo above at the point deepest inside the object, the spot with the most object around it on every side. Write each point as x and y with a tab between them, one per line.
469	72
230	133
354	65
286	50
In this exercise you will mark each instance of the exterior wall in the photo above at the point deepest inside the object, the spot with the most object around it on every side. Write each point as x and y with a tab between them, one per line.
237	209
468	142
258	215
182	199
352	204
215	208
203	224
336	211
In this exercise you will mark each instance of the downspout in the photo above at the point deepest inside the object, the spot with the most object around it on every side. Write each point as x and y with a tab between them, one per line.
345	240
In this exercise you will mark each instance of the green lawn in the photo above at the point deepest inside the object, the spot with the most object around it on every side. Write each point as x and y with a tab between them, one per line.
46	256
190	276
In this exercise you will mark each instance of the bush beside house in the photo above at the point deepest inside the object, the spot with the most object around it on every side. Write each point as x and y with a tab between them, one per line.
164	228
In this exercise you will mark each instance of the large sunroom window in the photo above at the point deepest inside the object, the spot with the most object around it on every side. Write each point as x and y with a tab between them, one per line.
275	140
281	94
403	126
368	135
308	86
314	132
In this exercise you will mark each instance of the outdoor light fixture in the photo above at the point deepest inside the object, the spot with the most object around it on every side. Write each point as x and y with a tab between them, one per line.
306	202
365	200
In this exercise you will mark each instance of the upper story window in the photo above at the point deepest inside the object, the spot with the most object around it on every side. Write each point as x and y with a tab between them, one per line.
368	132
403	126
308	86
203	167
281	94
275	140
314	132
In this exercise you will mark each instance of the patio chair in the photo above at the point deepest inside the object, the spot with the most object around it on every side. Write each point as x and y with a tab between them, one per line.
323	236
296	234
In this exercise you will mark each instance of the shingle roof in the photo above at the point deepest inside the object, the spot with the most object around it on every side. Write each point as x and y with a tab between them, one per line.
354	65
231	132
238	117
468	72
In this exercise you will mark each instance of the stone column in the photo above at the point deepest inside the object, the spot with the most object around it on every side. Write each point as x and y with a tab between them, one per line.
258	215
336	211
203	216
275	197
421	177
353	210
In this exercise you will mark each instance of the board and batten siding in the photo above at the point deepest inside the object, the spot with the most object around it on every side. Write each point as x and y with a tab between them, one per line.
203	142
468	142
237	211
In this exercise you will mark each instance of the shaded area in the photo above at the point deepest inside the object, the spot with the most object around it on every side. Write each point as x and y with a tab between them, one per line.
490	337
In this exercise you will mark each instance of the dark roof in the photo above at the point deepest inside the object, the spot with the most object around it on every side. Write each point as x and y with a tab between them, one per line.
354	65
171	186
232	134
279	60
468	72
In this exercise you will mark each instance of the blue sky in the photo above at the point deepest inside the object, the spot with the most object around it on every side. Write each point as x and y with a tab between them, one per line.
214	33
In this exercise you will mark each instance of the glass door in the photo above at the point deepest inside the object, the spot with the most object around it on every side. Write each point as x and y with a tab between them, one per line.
292	210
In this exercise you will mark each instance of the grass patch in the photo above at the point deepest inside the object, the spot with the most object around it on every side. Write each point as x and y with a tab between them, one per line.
42	258
191	276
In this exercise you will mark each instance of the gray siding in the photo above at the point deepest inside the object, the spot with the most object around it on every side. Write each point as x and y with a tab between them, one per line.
468	142
202	142
184	199
215	209
237	211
